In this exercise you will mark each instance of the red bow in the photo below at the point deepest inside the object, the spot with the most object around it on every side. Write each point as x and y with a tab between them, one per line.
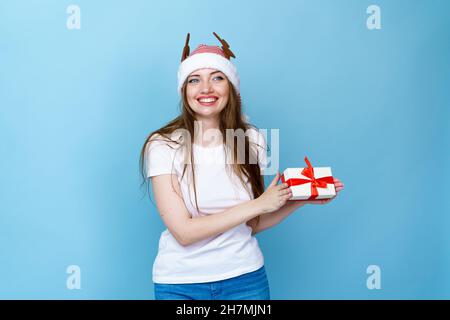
315	182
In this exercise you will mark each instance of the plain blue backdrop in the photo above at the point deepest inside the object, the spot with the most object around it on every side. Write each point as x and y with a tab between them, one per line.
77	105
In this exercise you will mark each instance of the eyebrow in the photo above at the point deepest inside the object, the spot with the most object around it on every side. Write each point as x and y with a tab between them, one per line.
197	75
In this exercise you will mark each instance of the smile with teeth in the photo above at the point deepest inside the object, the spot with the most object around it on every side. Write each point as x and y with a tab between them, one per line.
207	100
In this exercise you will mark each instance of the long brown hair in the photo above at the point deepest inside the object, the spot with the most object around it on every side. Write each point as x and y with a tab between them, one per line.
231	117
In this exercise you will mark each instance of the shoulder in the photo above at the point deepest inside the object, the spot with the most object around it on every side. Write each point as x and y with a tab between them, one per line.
258	142
162	147
161	155
257	136
159	141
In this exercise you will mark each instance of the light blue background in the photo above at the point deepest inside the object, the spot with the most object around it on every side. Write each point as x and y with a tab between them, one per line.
76	106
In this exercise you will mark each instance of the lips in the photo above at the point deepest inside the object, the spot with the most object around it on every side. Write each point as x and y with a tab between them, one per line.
207	101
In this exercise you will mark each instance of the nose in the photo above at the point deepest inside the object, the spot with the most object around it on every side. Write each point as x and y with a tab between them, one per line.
206	87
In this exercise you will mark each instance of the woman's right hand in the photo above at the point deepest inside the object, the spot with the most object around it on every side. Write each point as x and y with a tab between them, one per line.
275	196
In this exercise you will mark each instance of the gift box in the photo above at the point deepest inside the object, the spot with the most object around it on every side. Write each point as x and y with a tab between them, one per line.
309	183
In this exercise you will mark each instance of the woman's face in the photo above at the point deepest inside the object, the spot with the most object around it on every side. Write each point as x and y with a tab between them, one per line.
207	92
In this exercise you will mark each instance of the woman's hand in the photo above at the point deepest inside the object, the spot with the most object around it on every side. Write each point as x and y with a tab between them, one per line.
275	196
339	186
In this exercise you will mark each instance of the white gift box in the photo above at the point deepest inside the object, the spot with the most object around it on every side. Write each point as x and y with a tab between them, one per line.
301	185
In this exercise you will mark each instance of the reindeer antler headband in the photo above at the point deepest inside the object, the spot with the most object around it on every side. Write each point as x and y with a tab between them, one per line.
205	56
186	48
225	48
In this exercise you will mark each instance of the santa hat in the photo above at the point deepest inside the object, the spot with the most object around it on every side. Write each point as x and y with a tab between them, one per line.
205	56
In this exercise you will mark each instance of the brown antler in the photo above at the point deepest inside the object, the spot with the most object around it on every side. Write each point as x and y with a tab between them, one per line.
185	53
225	47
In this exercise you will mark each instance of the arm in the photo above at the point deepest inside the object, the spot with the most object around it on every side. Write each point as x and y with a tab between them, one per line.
188	230
269	220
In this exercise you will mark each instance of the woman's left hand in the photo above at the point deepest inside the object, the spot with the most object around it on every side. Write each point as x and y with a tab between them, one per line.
339	186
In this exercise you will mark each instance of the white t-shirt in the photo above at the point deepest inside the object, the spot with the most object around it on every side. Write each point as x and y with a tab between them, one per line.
226	255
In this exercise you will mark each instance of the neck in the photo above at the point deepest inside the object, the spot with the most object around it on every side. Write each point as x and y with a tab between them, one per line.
208	132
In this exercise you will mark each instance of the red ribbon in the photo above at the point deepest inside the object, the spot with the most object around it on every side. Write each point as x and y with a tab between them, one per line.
315	182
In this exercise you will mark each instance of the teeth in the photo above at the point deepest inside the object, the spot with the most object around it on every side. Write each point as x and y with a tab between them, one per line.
208	100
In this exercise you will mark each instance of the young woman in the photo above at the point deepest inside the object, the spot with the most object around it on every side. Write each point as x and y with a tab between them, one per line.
211	201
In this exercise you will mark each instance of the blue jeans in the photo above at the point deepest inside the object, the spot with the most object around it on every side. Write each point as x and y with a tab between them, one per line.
248	286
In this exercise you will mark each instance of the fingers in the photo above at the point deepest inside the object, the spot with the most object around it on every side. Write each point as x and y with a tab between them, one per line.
319	201
275	180
283	186
283	196
282	201
285	191
338	183
288	196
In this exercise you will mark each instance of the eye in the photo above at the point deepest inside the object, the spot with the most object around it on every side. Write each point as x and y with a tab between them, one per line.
218	77
194	80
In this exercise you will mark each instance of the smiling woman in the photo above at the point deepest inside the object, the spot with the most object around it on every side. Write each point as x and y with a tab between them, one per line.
212	211
207	93
204	81
207	209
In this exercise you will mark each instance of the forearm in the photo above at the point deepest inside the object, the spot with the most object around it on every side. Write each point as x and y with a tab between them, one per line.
269	220
203	227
